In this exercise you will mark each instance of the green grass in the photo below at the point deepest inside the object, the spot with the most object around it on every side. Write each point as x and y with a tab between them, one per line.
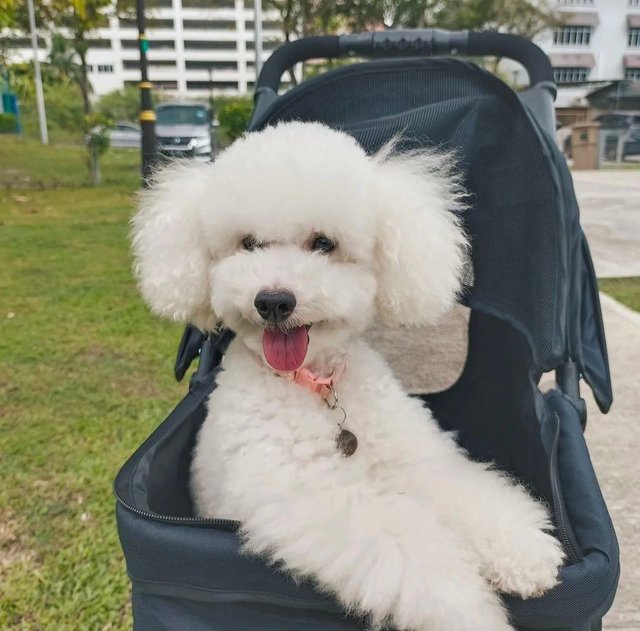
85	375
624	290
624	166
25	163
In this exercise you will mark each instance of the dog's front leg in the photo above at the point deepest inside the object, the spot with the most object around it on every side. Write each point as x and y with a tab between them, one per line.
508	529
382	555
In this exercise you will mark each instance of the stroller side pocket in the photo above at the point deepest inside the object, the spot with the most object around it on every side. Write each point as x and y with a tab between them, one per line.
589	579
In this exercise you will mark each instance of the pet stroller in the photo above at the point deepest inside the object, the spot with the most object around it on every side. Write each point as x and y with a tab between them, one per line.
534	309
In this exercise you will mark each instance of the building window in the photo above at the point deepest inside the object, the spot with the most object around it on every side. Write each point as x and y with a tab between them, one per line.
269	44
105	68
575	3
20	42
204	25
211	65
157	64
632	74
274	25
208	85
208	4
191	44
634	3
573	35
634	37
154	44
570	75
99	43
151	23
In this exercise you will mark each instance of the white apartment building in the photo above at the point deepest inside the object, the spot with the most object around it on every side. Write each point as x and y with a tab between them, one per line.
599	40
203	46
195	47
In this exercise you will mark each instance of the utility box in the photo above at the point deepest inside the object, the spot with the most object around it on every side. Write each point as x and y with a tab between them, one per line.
585	145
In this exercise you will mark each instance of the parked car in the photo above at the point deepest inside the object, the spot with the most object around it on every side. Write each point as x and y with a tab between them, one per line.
184	130
125	134
631	146
618	120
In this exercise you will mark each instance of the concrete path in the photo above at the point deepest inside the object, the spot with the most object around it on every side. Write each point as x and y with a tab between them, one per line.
610	215
614	443
610	210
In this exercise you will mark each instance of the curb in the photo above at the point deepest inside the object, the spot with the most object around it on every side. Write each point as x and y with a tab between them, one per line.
631	316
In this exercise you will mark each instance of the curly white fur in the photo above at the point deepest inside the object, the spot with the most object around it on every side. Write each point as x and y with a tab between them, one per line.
408	530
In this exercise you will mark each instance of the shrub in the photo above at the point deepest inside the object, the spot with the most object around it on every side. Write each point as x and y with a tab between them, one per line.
63	105
8	123
233	115
120	105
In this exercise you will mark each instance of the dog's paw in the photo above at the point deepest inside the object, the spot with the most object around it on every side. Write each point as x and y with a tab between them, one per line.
529	571
463	602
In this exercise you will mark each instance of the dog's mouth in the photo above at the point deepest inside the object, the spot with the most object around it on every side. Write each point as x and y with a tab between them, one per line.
285	349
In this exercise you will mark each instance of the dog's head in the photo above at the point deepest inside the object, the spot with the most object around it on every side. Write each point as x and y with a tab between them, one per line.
294	238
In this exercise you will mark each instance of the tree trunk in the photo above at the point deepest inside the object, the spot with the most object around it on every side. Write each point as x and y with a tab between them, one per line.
85	88
94	163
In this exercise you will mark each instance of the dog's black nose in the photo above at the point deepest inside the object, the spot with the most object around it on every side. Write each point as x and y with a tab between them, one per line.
275	306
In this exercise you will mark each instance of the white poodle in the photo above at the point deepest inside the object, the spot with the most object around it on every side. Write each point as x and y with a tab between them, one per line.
296	239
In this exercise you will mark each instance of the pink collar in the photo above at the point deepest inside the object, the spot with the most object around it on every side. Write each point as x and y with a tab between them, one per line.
324	386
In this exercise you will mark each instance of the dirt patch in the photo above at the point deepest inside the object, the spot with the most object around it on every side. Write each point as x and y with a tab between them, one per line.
14	549
136	387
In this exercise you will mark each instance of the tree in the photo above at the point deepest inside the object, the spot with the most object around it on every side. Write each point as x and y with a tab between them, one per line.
315	17
80	18
71	23
62	61
521	17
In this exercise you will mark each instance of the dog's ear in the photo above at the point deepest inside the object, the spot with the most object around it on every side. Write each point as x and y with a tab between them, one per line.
171	256
421	247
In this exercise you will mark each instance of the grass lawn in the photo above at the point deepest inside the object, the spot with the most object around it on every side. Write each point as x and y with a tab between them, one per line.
85	375
624	290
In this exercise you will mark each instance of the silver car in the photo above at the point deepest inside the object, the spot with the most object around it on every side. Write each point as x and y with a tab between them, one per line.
124	134
184	130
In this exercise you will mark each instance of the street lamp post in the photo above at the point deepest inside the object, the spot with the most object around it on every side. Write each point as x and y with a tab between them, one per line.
210	69
257	30
147	115
42	117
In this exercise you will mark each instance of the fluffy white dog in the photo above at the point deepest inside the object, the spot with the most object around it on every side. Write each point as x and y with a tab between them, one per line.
295	239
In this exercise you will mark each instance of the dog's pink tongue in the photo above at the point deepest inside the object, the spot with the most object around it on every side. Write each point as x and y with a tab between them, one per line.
285	351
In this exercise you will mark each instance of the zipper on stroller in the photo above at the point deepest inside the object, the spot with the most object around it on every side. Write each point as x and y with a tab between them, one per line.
558	510
229	525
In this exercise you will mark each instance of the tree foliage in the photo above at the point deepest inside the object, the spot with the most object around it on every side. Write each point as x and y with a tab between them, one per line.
77	18
121	105
315	17
233	115
80	18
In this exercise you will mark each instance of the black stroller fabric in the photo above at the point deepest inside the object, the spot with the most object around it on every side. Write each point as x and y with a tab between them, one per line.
534	308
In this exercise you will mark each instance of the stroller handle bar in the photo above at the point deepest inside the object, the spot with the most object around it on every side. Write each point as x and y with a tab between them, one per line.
409	43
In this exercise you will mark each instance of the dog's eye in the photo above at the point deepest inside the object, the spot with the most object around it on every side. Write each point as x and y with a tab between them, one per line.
250	243
324	244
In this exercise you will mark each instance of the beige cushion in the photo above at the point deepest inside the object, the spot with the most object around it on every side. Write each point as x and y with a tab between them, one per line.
427	359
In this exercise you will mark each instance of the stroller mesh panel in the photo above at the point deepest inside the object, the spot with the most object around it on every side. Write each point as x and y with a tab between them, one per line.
511	218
